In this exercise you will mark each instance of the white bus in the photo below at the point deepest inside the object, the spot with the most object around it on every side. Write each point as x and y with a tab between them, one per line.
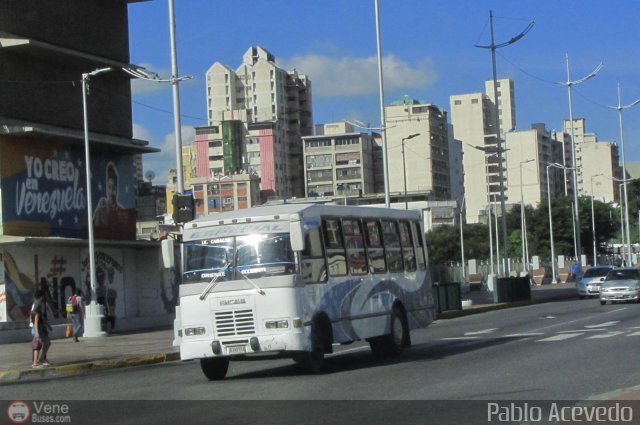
294	279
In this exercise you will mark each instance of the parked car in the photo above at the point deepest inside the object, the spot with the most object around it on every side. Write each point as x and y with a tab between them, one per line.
588	285
621	284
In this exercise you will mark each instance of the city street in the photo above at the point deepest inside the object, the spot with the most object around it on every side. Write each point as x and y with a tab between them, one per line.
560	351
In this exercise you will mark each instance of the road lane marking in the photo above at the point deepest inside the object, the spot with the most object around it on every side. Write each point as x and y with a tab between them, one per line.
603	325
607	335
460	338
636	333
560	337
485	331
555	325
524	335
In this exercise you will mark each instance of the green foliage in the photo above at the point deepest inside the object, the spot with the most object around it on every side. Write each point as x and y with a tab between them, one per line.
444	241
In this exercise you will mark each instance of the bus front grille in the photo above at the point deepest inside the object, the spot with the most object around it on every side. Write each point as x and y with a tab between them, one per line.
234	322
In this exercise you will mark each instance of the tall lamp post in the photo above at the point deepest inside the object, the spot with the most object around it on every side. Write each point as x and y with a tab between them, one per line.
493	46
404	169
593	222
576	216
553	254
383	117
525	258
492	151
94	312
464	272
620	108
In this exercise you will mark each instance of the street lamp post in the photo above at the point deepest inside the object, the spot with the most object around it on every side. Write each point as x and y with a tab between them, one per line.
383	117
553	254
404	169
94	312
525	258
620	108
464	274
576	216
493	46
593	222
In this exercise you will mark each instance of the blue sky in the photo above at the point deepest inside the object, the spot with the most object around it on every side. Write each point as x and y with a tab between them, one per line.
428	53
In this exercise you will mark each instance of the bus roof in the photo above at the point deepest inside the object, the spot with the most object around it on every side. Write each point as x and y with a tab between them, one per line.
284	212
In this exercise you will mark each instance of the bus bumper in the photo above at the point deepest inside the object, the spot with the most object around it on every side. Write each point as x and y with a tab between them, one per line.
191	348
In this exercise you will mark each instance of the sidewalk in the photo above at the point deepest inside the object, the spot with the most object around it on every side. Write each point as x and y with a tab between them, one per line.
155	346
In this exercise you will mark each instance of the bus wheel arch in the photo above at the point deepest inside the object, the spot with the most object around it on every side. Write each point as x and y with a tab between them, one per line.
321	344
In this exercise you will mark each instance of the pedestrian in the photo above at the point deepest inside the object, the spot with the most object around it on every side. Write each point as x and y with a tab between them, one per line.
40	343
76	313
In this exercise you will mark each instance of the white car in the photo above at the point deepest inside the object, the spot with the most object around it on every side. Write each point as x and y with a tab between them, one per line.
588	285
621	285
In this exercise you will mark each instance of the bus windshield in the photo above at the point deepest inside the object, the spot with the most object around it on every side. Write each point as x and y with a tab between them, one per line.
252	255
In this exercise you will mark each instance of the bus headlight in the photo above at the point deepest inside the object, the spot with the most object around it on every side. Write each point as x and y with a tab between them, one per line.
277	324
194	331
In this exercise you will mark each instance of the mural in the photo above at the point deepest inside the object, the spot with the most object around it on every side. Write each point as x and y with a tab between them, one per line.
44	190
109	280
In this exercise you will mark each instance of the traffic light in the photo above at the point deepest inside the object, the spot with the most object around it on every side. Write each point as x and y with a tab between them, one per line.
183	208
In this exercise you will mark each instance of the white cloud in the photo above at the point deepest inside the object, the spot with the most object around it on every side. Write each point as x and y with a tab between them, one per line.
160	163
358	76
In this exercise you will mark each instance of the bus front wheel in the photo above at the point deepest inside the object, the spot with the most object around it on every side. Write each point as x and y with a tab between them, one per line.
313	361
214	368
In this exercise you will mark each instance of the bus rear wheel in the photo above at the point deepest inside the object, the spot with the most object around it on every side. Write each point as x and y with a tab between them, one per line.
214	368
392	344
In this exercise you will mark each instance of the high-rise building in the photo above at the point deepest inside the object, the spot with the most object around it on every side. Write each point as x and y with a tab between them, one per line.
420	130
596	161
338	162
262	112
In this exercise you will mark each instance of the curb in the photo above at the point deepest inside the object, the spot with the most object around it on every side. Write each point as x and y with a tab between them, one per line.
85	367
451	314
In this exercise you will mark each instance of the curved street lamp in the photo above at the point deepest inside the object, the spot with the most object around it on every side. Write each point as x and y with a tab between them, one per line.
576	216
94	313
493	46
620	108
404	169
553	254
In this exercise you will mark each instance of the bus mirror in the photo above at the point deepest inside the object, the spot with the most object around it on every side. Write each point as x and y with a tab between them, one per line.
168	260
296	235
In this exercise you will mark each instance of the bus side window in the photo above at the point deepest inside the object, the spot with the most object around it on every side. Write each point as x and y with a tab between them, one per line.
375	250
391	241
407	247
313	261
420	245
354	242
334	247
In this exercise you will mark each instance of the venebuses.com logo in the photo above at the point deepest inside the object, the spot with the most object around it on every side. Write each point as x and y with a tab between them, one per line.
20	412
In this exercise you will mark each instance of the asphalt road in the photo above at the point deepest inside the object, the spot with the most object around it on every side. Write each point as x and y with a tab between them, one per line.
560	352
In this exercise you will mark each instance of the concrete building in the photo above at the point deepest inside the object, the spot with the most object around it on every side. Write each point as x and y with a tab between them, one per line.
527	155
225	193
597	163
338	162
270	107
45	48
426	157
472	118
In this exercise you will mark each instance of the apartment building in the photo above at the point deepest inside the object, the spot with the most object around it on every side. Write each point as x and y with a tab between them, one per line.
596	161
528	152
418	146
338	162
270	107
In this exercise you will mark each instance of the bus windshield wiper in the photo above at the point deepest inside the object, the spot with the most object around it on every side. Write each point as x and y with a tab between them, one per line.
212	283
255	285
